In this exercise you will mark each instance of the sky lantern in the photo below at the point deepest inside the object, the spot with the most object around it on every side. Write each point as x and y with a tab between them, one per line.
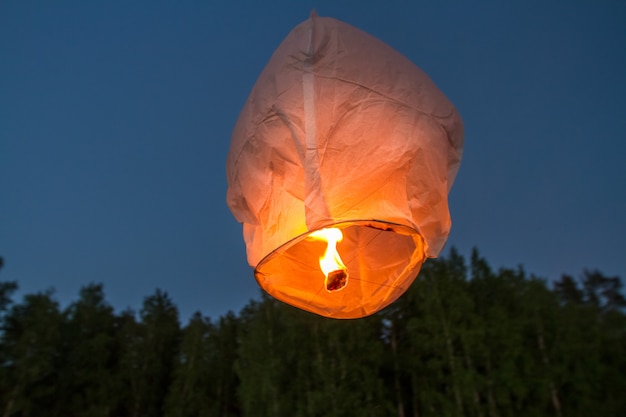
339	169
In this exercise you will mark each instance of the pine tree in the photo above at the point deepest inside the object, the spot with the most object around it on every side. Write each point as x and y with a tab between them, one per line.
90	374
149	353
225	342
261	365
32	346
193	383
447	313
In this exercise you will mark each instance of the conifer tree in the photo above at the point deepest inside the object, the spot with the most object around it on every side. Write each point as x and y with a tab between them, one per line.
261	364
225	343
150	351
32	346
191	390
89	336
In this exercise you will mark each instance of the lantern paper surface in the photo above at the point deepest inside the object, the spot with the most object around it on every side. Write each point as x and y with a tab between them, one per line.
341	131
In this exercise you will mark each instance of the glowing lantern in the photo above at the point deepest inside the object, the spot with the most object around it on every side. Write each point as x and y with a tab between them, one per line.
339	169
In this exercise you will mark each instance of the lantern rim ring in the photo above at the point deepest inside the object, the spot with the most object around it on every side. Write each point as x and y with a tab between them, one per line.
391	227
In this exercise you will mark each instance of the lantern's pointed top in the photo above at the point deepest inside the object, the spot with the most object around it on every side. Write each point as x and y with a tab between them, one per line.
313	15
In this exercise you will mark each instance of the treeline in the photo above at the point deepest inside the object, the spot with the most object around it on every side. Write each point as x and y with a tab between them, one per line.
464	340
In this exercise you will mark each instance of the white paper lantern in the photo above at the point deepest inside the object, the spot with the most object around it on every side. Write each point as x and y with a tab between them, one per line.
342	132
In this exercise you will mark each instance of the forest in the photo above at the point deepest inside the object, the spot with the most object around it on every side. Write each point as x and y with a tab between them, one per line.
464	340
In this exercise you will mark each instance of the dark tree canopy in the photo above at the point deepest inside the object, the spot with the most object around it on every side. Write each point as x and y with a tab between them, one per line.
464	340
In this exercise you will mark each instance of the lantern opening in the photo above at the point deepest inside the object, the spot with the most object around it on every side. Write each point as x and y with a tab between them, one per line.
382	259
331	264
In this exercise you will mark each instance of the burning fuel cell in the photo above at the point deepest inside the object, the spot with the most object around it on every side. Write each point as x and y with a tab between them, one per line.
336	280
331	264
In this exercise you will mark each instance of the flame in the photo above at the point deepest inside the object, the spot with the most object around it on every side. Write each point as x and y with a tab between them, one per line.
331	264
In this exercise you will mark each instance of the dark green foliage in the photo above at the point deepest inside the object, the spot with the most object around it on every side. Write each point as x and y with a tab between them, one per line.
464	340
149	351
32	356
292	363
204	383
90	375
192	388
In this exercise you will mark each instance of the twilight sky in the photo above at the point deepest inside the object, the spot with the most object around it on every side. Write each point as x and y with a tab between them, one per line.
115	123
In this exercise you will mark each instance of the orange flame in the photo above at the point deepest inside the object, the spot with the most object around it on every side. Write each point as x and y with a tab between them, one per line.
331	264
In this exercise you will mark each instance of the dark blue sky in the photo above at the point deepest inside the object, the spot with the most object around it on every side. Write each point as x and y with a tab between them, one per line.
115	122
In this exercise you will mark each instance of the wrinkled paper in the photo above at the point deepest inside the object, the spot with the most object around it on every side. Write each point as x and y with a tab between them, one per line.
340	127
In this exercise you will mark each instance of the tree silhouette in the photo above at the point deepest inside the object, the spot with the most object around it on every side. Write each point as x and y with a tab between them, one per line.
464	340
